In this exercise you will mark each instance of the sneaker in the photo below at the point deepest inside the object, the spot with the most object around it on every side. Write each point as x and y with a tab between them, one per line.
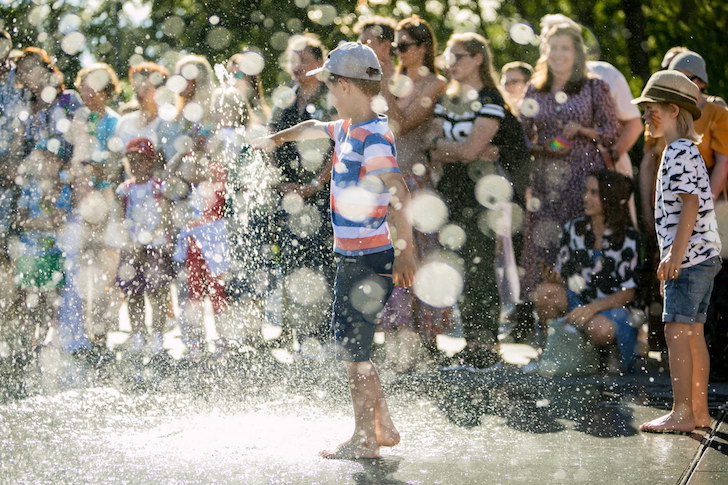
156	344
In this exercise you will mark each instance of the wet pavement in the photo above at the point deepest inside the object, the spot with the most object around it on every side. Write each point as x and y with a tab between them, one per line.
252	419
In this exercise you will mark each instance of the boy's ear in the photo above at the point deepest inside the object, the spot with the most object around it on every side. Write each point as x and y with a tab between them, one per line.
673	110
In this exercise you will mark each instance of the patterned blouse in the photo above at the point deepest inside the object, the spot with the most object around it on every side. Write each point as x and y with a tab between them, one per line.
595	274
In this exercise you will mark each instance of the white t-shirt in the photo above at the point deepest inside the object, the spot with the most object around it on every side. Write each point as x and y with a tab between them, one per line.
682	171
622	96
162	134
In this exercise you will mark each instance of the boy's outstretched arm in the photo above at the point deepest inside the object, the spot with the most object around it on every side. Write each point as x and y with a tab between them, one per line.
669	268
403	272
306	130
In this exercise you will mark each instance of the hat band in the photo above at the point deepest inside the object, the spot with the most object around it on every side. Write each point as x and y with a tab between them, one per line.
669	95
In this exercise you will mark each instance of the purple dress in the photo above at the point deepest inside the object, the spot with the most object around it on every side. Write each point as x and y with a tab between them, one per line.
558	182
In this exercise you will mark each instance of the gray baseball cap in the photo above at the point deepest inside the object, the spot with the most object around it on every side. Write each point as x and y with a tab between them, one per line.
691	62
354	60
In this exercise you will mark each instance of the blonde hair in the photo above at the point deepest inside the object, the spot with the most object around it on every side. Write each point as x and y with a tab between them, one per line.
542	78
686	127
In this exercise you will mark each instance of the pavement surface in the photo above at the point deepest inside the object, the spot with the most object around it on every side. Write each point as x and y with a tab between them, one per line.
256	418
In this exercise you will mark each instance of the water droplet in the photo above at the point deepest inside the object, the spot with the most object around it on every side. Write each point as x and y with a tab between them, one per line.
283	97
561	97
115	144
429	212
39	14
214	20
522	33
292	203
48	94
307	286
69	23
322	14
93	208
419	169
193	112
400	86
219	38
534	204
63	125
54	145
251	63
97	79
367	296
576	283
379	104
190	71
546	233
73	43
492	190
438	284
529	107
173	26
168	111
452	237
176	83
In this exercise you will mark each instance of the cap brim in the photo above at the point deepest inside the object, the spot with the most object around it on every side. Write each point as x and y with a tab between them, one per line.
313	72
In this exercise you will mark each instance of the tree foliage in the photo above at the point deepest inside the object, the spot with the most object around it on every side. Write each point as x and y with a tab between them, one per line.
633	34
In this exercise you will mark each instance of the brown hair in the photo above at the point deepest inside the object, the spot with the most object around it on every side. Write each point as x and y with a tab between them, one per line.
475	44
615	190
255	81
43	57
112	88
382	27
369	87
686	126
421	32
524	68
542	78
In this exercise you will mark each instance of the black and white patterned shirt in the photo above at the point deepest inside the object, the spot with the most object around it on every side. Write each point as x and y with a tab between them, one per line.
682	171
594	274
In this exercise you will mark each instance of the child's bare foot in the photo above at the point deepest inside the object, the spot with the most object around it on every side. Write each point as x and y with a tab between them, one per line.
387	435
671	422
701	420
353	449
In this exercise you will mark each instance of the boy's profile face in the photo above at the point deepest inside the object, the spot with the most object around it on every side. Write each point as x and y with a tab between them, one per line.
655	116
334	85
141	166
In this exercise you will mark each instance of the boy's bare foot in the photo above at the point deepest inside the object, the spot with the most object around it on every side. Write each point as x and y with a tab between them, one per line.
671	422
353	449
701	419
387	435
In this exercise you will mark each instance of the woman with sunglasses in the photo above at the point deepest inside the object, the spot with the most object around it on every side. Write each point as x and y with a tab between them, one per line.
411	93
477	136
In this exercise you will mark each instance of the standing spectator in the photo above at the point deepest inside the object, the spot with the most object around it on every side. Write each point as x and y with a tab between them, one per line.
306	168
95	173
10	148
596	271
44	202
472	119
250	87
566	114
378	33
515	77
410	115
146	79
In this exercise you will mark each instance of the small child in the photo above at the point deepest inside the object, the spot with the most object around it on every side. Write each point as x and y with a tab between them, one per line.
364	181
689	246
44	203
146	263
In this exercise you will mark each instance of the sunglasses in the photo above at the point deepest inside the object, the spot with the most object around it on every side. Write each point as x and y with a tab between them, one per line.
694	78
239	75
404	46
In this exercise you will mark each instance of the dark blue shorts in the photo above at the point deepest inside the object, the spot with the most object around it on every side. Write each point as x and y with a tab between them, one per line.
687	297
362	286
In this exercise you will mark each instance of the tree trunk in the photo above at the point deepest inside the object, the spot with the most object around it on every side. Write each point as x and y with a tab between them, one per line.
635	24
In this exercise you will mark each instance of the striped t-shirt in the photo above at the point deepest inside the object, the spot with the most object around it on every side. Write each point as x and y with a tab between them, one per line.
359	199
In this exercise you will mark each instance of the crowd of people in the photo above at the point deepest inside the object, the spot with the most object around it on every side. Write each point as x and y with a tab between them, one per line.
524	181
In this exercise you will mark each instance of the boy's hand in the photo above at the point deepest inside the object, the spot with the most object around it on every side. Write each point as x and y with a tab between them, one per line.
669	268
403	271
265	143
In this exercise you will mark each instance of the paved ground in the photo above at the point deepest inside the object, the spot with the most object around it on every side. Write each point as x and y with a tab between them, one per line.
252	419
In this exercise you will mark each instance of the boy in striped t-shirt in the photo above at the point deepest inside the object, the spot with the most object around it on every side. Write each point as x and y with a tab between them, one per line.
365	182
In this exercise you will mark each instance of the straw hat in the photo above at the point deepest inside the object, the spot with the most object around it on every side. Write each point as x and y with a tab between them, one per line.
671	87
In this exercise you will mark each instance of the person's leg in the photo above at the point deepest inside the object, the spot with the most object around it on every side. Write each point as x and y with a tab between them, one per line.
158	301
135	303
600	330
366	392
680	418
701	371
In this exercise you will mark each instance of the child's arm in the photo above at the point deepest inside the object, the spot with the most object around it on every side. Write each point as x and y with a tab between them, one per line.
306	130
670	265
403	272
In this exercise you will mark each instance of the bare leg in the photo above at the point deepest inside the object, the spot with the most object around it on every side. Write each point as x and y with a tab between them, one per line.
600	330
136	313
701	371
681	371
550	301
368	400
